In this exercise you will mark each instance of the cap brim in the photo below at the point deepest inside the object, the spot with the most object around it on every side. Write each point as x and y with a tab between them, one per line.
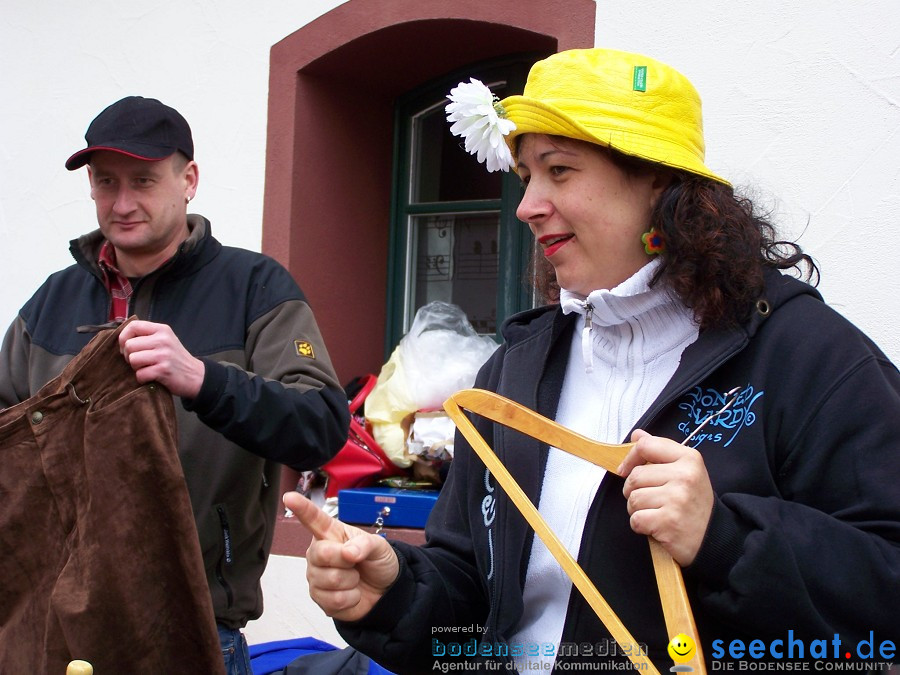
82	157
535	117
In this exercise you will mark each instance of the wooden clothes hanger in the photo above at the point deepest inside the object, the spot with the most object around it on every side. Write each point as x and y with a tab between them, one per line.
672	593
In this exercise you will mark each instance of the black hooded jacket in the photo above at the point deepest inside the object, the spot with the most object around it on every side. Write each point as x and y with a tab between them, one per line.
805	530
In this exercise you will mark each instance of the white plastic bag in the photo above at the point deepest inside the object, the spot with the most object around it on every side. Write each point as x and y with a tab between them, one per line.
440	355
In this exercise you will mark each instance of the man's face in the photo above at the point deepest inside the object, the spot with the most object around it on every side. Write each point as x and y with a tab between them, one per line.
141	206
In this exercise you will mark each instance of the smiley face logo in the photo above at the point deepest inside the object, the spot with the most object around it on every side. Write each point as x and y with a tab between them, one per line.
682	648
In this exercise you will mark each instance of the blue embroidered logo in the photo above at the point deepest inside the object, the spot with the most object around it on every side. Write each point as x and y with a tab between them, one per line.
488	512
701	404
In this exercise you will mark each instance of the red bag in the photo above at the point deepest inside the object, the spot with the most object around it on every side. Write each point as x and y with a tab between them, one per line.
361	462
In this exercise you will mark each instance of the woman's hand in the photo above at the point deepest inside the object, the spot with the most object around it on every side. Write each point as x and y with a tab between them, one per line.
348	570
670	497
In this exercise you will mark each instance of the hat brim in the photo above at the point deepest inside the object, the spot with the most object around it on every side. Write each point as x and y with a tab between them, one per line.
536	117
145	153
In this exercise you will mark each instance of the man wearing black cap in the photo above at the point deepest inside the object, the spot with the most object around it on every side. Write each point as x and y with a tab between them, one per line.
225	330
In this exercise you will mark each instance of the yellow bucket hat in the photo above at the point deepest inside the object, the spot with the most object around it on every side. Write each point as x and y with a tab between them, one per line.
629	102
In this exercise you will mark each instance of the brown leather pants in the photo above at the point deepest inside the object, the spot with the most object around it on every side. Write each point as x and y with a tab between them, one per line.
99	555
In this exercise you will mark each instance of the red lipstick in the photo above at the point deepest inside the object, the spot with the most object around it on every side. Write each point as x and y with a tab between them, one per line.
553	242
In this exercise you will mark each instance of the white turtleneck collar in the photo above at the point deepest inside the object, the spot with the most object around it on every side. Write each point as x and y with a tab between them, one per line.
661	314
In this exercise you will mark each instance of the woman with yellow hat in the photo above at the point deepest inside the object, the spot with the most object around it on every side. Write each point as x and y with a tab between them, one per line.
764	462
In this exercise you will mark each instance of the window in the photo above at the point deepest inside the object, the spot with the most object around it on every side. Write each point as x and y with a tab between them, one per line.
454	233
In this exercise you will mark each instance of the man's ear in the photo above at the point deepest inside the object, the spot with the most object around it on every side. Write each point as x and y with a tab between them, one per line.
191	175
90	176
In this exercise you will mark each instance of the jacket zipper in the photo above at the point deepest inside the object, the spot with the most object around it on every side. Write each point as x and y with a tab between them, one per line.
587	346
141	301
226	559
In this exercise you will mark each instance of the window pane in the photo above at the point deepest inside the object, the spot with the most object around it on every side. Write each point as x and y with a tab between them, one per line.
457	261
442	170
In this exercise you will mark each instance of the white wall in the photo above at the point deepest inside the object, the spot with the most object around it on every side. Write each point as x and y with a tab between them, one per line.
62	62
801	100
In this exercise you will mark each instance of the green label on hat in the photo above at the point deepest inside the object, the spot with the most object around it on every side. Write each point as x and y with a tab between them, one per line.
640	78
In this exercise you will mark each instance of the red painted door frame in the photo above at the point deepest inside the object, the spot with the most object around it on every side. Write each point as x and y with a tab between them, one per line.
332	85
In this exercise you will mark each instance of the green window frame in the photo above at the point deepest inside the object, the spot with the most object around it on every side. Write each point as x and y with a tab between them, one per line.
444	201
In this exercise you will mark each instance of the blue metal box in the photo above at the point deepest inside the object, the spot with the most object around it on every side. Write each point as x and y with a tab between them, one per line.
399	507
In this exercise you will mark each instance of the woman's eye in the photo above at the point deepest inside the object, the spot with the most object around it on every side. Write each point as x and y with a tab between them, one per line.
558	170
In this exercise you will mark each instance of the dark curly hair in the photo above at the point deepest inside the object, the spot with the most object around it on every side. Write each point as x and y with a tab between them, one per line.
717	246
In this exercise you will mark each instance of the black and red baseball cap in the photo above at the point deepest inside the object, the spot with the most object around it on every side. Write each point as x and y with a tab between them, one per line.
138	127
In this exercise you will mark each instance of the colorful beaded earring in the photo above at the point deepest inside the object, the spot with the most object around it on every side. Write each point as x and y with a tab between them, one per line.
653	241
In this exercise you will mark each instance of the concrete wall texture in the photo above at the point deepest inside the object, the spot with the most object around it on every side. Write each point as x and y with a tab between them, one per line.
801	107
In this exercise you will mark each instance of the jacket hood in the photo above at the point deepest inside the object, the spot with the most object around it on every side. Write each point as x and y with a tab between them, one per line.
780	289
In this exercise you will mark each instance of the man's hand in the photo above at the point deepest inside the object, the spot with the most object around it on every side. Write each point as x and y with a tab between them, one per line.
156	355
348	570
669	494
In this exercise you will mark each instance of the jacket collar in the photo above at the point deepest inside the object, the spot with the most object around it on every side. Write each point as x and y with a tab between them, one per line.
199	248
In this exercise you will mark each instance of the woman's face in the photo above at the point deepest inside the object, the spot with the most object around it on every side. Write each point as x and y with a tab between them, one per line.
586	213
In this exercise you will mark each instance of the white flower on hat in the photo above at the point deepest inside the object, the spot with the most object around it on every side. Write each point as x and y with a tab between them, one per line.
479	118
